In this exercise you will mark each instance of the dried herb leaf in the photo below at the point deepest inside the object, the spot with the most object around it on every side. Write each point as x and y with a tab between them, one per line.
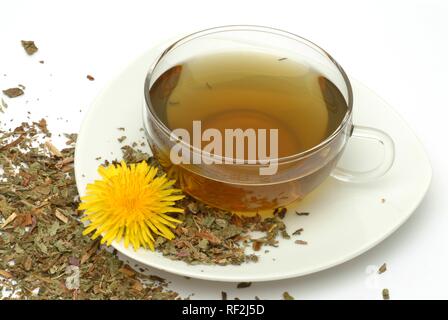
3	105
280	212
242	285
383	268
298	232
13	92
29	46
287	296
44	254
385	294
5	274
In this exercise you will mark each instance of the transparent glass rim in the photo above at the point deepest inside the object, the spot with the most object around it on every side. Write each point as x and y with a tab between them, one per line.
255	28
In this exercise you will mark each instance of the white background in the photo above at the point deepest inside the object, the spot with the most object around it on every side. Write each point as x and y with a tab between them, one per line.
397	48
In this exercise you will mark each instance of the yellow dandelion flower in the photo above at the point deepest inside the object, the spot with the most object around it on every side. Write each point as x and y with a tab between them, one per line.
130	203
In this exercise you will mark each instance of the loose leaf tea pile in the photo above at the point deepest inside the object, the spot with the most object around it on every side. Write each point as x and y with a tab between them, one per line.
43	252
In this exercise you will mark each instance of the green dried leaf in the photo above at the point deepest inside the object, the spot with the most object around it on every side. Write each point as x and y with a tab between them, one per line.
287	296
43	245
383	268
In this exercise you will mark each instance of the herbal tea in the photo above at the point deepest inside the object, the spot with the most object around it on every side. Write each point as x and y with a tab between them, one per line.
251	91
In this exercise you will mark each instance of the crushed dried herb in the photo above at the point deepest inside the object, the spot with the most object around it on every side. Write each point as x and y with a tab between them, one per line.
243	285
43	252
385	294
298	232
287	296
212	236
280	212
29	46
3	106
13	92
383	268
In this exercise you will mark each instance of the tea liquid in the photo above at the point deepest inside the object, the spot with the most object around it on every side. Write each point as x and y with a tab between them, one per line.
250	90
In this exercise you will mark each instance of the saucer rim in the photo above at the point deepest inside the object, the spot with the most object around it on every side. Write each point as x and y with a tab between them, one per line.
193	271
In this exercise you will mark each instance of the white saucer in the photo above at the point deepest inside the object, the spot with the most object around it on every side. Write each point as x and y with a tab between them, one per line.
345	219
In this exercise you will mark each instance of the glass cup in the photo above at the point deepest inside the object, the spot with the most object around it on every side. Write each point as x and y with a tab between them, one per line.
239	187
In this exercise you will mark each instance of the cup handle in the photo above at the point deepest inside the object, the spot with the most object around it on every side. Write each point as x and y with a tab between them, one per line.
379	136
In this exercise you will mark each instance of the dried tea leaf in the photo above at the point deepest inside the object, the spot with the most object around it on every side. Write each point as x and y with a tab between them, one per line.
131	155
302	242
3	106
302	213
298	232
280	212
383	268
13	92
60	216
385	294
73	261
23	220
5	274
71	138
223	295
43	252
89	77
256	245
10	219
157	278
28	263
126	270
29	46
203	244
242	285
53	150
287	296
72	281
